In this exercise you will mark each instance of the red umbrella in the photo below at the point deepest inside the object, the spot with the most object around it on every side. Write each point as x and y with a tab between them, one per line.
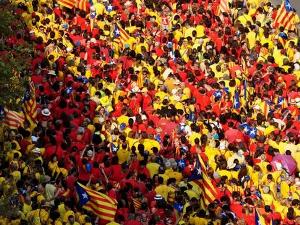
234	135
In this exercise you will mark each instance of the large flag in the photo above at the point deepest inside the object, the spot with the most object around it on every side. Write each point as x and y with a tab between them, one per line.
29	105
259	220
285	16
13	119
67	3
209	192
98	203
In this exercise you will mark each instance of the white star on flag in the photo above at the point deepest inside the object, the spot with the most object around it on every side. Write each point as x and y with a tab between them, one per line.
84	196
109	8
235	103
181	164
252	132
198	171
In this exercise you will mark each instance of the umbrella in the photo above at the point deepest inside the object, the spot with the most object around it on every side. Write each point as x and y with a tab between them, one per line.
234	135
286	161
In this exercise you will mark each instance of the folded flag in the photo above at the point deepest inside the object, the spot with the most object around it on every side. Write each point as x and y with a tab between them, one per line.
98	203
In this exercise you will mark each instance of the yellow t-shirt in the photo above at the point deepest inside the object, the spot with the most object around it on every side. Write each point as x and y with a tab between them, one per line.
123	155
123	119
153	168
198	221
163	190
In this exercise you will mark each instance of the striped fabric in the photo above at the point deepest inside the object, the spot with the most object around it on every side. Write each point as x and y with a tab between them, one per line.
265	109
82	5
209	192
13	119
98	203
136	203
223	7
30	106
67	3
285	16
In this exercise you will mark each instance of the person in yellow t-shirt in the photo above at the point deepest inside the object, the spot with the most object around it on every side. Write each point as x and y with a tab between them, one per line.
162	189
123	154
153	168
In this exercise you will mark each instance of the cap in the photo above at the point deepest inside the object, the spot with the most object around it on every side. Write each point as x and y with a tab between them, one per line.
89	153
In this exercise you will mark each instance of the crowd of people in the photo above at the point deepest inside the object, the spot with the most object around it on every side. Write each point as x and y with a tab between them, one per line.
129	116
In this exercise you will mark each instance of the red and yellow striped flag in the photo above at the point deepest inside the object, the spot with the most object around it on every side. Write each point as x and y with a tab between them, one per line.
30	106
66	3
13	119
209	192
98	203
285	16
83	5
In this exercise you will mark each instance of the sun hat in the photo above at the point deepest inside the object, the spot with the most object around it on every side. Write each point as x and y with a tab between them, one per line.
46	112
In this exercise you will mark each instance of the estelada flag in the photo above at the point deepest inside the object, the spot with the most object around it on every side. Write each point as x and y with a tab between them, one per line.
100	204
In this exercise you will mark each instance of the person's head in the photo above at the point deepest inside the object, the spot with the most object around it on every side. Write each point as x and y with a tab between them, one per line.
71	219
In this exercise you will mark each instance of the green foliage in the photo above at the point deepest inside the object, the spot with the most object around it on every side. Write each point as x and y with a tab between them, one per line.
6	18
14	60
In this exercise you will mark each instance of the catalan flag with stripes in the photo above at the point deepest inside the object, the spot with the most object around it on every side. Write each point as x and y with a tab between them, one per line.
98	203
13	119
30	105
67	3
209	192
285	16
